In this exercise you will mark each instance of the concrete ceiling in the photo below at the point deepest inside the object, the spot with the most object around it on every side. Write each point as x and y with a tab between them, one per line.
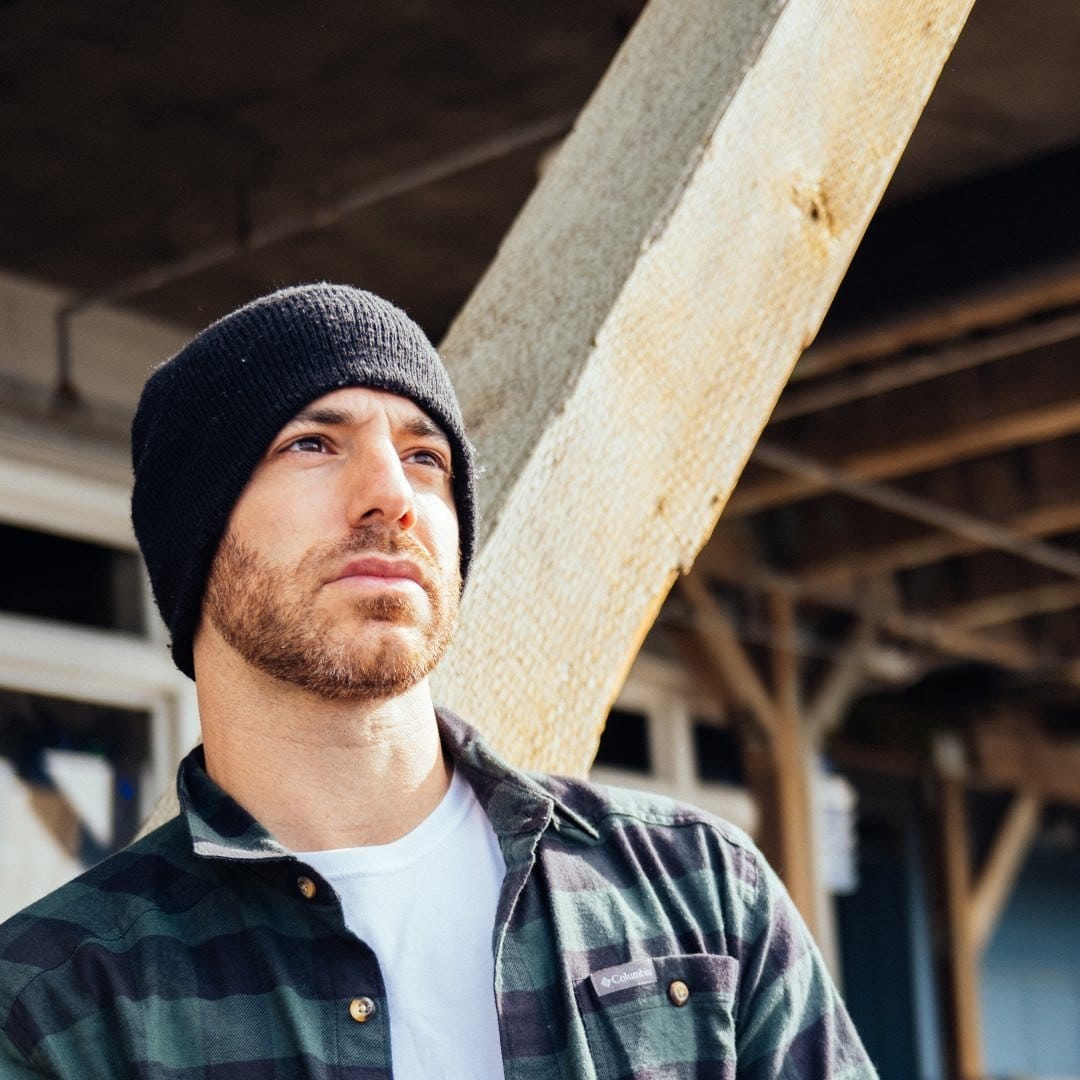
137	135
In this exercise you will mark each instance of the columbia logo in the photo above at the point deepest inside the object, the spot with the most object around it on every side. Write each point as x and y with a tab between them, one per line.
636	973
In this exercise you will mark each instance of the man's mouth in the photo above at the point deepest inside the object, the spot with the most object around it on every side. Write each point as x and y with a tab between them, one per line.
379	571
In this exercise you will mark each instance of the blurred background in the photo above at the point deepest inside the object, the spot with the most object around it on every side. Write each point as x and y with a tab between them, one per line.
874	666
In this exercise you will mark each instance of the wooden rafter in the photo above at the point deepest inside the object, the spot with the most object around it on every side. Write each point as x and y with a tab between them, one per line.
968	526
1017	755
1010	606
907	554
948	445
845	679
1050	288
928	363
917	629
741	682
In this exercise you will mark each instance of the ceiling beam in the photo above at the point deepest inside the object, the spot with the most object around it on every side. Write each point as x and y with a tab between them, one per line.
1010	606
970	527
929	363
912	552
947	444
921	630
952	261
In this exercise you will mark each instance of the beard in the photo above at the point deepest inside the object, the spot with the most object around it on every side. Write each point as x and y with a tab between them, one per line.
270	616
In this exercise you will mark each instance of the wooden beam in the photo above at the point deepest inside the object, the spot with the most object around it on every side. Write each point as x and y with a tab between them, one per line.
920	630
777	762
1016	296
960	269
907	554
793	807
946	446
1003	865
592	338
965	1044
928	363
976	529
842	684
720	642
1013	605
1023	758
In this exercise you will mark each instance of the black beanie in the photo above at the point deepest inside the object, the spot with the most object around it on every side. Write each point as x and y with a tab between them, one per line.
207	415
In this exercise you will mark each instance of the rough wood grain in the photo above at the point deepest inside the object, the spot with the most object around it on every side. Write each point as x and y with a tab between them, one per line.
622	354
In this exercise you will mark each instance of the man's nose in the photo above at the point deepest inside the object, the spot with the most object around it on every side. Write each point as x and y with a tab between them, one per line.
378	488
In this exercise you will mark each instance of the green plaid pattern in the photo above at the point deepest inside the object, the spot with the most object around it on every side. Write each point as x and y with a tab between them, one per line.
634	938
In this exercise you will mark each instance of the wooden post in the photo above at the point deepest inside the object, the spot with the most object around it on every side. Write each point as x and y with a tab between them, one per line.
793	807
964	1048
775	753
624	350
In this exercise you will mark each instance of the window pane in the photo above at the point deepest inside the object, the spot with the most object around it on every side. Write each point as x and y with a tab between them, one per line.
625	742
716	754
74	581
70	779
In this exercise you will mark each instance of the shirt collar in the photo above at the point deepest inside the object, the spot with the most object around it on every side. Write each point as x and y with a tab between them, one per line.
515	802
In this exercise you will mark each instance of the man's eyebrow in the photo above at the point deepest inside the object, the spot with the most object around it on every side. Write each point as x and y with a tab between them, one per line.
329	417
425	428
421	425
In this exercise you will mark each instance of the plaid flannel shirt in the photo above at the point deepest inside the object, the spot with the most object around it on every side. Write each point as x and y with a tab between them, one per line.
634	938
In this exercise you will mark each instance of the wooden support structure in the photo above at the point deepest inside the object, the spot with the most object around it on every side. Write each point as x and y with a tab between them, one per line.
929	363
964	1048
969	526
907	554
842	684
1009	606
917	629
973	902
998	877
1017	755
593	339
793	759
776	754
1054	287
946	445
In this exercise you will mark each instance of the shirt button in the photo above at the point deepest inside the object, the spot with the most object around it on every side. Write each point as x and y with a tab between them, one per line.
307	888
678	993
361	1009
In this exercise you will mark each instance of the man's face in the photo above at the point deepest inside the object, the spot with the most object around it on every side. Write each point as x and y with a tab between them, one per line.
339	569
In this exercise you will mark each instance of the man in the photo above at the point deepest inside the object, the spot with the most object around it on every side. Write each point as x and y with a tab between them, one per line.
355	886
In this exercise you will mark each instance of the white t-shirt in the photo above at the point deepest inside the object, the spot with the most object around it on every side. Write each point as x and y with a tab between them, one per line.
425	905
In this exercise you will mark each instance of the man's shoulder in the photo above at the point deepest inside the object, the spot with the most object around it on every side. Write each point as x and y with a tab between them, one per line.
609	810
99	907
598	803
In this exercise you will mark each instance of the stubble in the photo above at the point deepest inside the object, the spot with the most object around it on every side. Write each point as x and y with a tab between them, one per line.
271	616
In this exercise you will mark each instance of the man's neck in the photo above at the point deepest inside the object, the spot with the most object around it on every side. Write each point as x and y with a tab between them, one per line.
318	774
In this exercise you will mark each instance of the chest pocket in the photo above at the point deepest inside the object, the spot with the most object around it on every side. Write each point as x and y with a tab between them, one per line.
654	1017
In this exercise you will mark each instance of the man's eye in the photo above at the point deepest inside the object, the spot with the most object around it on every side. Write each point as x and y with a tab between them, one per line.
308	444
430	459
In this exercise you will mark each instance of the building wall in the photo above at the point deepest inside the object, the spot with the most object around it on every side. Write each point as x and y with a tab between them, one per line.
93	716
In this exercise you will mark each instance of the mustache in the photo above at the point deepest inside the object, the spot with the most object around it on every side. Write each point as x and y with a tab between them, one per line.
375	540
